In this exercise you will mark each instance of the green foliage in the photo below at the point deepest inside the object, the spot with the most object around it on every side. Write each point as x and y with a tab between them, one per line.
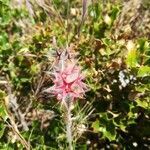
117	73
144	71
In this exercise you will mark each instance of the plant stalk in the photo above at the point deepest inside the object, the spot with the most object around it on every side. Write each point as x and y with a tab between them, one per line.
69	127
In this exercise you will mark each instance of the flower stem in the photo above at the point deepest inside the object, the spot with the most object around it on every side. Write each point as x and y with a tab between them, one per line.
68	127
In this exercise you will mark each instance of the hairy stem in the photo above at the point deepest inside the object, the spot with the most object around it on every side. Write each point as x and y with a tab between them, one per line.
68	128
68	122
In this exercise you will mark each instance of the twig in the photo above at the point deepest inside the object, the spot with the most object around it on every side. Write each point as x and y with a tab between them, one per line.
14	127
12	120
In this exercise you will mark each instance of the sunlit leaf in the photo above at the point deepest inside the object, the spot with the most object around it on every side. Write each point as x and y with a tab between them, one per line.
95	126
142	103
2	129
132	58
144	71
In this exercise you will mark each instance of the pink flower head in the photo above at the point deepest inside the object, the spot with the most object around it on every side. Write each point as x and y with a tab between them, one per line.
68	81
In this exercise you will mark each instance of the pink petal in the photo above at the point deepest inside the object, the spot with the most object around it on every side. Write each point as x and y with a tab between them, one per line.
72	77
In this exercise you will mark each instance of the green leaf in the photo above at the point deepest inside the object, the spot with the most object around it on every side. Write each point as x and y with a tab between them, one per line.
2	129
110	132
34	69
143	45
143	104
3	113
131	59
95	126
23	80
122	127
110	135
107	127
114	13
144	71
2	93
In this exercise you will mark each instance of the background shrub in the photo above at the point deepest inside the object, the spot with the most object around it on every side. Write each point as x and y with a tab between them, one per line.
112	42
